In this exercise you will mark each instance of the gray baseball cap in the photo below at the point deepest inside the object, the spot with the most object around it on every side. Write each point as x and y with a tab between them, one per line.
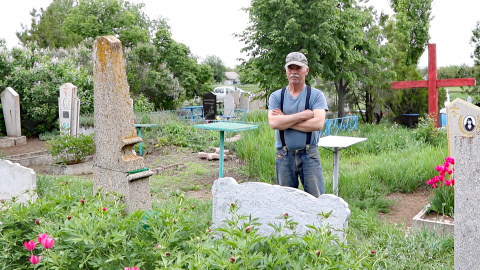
296	58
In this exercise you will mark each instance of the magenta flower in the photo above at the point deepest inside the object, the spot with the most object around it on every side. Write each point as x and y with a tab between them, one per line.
232	259
319	252
37	221
133	268
450	160
30	245
82	201
35	259
42	236
48	243
248	229
104	209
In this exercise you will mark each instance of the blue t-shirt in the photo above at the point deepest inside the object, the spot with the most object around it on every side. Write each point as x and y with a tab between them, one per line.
296	139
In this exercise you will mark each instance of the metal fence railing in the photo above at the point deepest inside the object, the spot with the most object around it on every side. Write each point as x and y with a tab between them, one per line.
333	125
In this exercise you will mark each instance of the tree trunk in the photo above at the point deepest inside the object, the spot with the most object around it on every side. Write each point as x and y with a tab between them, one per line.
342	93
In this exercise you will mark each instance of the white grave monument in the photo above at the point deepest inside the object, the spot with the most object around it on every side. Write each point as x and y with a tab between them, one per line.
229	106
269	202
463	119
69	109
17	181
11	113
464	147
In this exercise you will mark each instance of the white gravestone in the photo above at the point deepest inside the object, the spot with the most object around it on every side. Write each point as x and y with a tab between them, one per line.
463	119
11	113
229	105
17	181
244	102
269	202
69	109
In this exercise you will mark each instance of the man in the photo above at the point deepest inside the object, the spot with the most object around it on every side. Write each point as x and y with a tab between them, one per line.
298	124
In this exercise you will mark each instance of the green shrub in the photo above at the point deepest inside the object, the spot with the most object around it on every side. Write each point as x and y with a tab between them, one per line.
68	149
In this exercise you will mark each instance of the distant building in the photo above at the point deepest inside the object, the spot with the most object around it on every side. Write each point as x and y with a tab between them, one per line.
231	78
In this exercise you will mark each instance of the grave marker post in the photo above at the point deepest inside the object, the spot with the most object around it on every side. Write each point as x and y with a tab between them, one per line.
117	167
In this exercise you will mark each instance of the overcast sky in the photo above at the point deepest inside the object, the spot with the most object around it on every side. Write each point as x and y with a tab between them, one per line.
207	26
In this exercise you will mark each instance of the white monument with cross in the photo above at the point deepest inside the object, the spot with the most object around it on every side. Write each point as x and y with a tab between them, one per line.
69	109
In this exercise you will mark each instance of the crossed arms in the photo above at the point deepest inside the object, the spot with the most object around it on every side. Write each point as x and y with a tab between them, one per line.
305	121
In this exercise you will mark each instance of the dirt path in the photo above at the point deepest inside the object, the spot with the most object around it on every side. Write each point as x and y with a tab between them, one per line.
406	206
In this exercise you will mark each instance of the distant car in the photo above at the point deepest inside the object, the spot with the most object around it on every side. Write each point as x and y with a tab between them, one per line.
222	91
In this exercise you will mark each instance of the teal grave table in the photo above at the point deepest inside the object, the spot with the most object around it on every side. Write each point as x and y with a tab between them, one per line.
139	132
337	143
222	127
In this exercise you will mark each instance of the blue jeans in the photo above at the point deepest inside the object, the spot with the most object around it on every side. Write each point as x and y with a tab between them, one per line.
302	163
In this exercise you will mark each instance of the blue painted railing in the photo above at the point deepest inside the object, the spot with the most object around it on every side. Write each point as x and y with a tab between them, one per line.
333	125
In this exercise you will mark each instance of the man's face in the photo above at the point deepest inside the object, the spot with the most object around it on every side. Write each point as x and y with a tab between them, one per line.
296	74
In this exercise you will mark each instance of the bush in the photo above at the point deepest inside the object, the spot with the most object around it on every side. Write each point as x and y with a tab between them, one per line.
68	149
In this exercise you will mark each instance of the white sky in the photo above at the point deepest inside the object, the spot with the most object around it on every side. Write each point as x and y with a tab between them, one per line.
207	26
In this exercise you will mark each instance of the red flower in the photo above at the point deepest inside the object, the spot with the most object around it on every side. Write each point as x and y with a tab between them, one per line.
82	201
30	245
232	259
373	252
35	259
248	229
69	217
168	254
285	215
104	209
319	252
37	221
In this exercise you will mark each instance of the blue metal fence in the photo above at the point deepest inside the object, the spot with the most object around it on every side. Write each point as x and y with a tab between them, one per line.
333	125
195	115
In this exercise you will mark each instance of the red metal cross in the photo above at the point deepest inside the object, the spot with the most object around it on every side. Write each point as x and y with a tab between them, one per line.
433	83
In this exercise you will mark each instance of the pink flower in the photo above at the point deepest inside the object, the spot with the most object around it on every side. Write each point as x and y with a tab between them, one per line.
450	160
48	242
37	221
104	209
248	229
452	182
319	252
82	201
373	252
232	259
42	236
285	215
30	245
133	268
439	168
35	259
69	217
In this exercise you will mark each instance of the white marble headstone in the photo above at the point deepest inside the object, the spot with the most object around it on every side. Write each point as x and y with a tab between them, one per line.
269	202
11	112
463	120
69	109
229	105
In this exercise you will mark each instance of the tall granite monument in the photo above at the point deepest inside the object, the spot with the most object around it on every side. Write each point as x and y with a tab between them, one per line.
117	167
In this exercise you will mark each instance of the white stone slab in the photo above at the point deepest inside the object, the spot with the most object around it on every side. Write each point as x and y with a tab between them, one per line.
16	180
269	202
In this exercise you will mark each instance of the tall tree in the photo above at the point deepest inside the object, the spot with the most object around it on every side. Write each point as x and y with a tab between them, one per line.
67	22
331	33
